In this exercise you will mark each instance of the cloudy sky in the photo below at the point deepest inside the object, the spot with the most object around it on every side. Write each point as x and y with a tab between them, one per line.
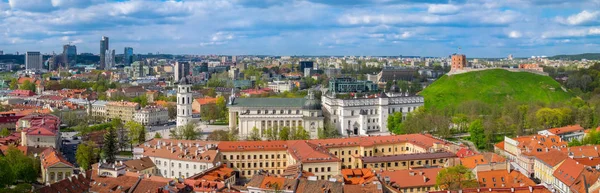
481	28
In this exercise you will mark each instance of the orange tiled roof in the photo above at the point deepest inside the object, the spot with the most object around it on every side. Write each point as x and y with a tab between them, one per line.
582	151
552	157
485	158
206	100
358	176
50	158
423	177
569	171
503	179
565	129
180	149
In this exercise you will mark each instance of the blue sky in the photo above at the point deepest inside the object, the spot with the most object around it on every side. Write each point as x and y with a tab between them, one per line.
481	28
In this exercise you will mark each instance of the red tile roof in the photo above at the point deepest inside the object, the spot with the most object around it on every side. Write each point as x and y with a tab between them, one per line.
566	129
503	179
424	177
484	158
50	157
569	171
206	100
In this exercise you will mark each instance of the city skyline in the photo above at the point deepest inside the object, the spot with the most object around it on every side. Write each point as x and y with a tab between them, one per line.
312	27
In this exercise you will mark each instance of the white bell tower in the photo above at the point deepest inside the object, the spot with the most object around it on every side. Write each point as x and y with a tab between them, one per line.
184	102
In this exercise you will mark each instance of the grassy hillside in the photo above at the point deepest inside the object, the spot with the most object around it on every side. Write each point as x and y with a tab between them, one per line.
493	87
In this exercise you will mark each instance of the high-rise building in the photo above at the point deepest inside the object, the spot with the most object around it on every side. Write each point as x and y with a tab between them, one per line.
103	48
184	102
69	55
33	61
459	61
182	69
1	52
233	59
109	60
128	56
223	59
306	64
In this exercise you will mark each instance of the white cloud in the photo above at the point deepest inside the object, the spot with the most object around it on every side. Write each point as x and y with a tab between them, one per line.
443	9
584	17
514	34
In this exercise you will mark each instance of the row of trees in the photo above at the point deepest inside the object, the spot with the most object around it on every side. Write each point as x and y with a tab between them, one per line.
488	123
285	133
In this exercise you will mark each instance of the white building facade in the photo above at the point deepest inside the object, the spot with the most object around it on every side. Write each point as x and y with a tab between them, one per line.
281	86
152	115
275	113
184	102
362	116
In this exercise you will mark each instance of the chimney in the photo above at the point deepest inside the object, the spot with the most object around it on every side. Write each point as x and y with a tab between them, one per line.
530	189
424	178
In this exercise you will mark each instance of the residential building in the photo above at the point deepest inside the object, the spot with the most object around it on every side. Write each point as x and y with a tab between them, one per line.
152	115
530	189
268	184
503	179
521	151
109	61
275	113
406	161
484	162
143	165
204	102
179	158
567	133
121	110
33	61
546	164
99	109
367	115
184	102
421	180
39	130
281	86
103	48
54	166
572	177
215	179
394	74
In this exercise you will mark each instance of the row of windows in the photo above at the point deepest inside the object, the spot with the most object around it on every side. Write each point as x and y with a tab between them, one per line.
254	156
289	112
260	165
187	166
396	164
322	169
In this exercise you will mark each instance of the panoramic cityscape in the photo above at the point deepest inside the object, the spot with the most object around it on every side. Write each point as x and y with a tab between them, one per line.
299	96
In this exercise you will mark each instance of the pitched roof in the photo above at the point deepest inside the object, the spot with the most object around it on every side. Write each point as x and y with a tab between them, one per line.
552	157
569	171
199	151
422	177
582	151
206	100
530	189
271	182
50	157
484	158
365	188
358	176
566	129
76	184
139	164
310	186
503	179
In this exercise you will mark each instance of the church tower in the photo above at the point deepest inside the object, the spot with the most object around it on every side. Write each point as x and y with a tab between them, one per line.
184	102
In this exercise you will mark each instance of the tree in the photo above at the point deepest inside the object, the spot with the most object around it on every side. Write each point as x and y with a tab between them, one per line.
5	132
328	131
393	123
220	135
300	134
477	135
455	178
7	178
222	107
86	154
137	132
109	149
254	135
271	133
157	135
574	142
23	168
27	85
187	132
284	133
172	111
14	84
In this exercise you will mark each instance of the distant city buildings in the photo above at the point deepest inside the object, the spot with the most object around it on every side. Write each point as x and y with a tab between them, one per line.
347	85
33	61
103	48
109	61
127	56
182	69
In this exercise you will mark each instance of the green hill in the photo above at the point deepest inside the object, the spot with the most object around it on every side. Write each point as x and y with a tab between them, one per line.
493	87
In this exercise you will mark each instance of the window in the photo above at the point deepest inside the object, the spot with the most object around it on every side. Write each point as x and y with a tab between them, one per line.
329	169
187	166
258	112
179	165
396	164
309	169
195	165
342	152
297	111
